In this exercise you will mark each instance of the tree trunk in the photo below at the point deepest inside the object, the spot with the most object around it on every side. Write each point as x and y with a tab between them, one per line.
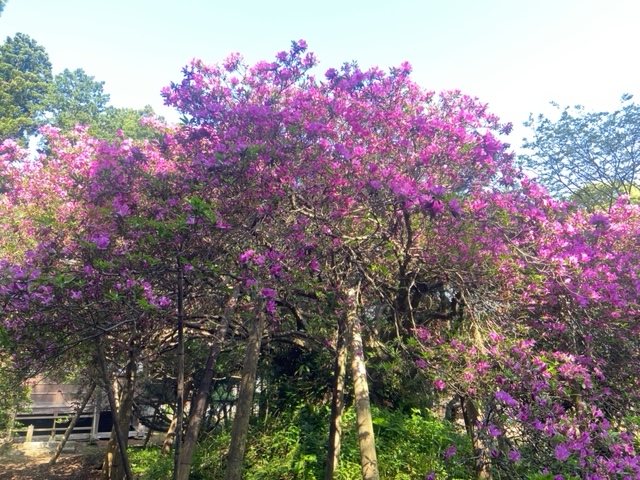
337	402
72	424
180	376
169	438
481	452
116	465
366	440
244	404
149	432
200	402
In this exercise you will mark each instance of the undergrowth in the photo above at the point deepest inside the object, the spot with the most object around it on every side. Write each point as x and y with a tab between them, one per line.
293	446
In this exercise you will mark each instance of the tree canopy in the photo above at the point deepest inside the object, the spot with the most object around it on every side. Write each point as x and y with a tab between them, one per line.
30	96
75	97
589	157
25	77
291	224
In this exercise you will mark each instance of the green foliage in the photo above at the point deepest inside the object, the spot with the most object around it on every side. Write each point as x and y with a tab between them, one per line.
589	157
292	376
292	446
150	463
546	476
13	392
30	96
599	195
78	98
75	97
412	445
127	120
25	79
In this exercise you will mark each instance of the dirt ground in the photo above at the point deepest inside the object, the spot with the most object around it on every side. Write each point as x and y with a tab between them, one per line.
17	463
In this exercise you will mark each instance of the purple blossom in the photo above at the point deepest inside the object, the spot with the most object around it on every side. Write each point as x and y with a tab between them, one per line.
599	221
403	188
271	306
246	256
439	384
423	334
331	74
562	452
437	207
514	456
232	62
450	452
454	205
495	337
268	293
101	240
438	190
163	302
506	398
276	270
120	207
421	363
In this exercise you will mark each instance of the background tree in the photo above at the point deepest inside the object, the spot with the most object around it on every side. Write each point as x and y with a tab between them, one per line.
589	157
130	121
75	97
30	97
25	78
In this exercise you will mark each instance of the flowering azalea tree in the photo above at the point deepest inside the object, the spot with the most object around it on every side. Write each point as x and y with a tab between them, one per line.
357	214
112	249
569	296
347	179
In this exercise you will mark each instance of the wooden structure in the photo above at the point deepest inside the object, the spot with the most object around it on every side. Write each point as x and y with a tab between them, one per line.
53	405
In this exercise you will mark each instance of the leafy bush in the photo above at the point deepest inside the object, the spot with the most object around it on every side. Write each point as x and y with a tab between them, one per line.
149	463
293	446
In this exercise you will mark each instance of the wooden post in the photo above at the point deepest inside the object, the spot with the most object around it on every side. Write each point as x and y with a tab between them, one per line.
53	427
12	423
95	422
29	434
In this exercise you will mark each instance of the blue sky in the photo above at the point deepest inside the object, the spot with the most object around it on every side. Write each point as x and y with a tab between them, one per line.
515	55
